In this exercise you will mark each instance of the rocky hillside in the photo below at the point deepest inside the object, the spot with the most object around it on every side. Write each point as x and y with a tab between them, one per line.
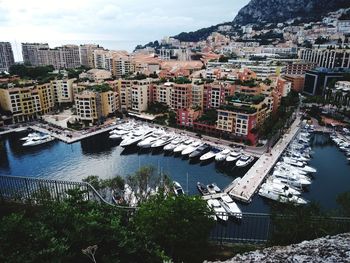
275	11
328	249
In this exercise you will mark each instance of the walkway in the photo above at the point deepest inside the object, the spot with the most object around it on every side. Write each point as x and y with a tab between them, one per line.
249	184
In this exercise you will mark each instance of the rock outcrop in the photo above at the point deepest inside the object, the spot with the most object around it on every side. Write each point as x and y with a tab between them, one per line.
326	250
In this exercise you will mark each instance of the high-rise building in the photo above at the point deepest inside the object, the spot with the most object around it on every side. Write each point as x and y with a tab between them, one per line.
327	58
63	90
86	53
30	52
6	56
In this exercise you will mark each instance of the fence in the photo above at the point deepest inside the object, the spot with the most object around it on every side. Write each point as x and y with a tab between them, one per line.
246	228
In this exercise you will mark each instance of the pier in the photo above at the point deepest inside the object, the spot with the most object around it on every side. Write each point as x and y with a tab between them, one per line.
249	184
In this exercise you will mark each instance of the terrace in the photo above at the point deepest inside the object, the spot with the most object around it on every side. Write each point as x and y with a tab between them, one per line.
246	99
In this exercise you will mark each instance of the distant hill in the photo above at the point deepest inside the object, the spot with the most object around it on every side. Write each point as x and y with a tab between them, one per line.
275	11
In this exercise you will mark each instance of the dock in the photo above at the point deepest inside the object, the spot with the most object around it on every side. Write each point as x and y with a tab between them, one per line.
249	184
75	136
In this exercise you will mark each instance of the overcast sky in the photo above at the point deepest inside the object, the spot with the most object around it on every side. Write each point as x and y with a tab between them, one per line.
111	21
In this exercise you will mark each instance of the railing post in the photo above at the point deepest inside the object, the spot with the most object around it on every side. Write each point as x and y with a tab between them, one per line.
27	189
57	193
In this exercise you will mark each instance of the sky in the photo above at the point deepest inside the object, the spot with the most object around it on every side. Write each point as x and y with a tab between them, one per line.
115	24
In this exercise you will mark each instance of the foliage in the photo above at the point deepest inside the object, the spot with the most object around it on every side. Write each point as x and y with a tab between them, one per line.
74	73
101	88
58	232
223	59
181	80
181	227
138	76
30	72
209	117
344	201
157	108
246	98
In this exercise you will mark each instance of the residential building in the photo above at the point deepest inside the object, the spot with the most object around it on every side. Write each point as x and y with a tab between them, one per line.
327	58
86	54
266	71
198	96
97	75
187	117
215	94
318	79
161	93
30	52
93	105
63	90
27	103
6	56
180	96
124	91
139	95
299	68
297	82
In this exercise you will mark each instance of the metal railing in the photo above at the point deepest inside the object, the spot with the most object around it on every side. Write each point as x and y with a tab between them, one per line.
243	228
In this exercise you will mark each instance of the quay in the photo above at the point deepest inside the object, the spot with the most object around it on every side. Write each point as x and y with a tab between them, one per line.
75	136
249	184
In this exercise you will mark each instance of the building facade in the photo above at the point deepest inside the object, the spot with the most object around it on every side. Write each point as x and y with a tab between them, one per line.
327	58
6	56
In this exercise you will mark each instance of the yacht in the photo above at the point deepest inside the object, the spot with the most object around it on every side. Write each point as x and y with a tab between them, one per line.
280	188
209	155
282	198
39	140
191	148
203	149
292	179
221	156
183	146
118	134
299	165
219	211
31	136
171	146
166	139
202	189
148	141
135	137
213	188
178	189
233	156
230	206
244	160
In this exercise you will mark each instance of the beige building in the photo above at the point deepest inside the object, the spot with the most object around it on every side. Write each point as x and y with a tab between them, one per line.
63	90
180	96
197	96
97	75
27	103
86	53
139	95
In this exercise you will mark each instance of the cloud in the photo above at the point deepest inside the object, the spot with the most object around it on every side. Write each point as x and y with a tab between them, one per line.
119	20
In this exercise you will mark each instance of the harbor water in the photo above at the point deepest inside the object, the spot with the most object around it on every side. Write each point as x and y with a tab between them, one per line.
101	156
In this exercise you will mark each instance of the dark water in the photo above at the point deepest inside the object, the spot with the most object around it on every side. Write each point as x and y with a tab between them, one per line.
100	156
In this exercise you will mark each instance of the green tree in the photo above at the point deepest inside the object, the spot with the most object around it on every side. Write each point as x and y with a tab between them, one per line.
180	225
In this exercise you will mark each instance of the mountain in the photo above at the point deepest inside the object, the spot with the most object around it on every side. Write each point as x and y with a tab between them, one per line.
275	11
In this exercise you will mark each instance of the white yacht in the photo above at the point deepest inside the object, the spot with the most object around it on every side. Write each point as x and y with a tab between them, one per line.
244	160
122	131
221	156
230	206
233	156
220	212
166	139
176	142
39	140
299	164
148	141
135	137
178	189
280	188
31	135
213	188
183	146
292	179
209	155
282	198
191	148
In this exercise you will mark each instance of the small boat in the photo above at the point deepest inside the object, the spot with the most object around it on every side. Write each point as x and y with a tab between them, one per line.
221	156
209	155
230	206
178	189
148	141
219	211
191	148
202	189
203	149
39	140
233	156
183	146
244	160
213	188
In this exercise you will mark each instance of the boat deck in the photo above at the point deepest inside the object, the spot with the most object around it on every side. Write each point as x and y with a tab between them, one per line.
249	184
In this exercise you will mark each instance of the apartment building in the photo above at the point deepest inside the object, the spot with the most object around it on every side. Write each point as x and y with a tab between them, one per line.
215	94
94	105
299	68
124	91
297	82
161	93
6	56
187	117
27	103
327	58
180	96
30	52
63	90
37	54
265	71
97	75
198	96
86	54
139	95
